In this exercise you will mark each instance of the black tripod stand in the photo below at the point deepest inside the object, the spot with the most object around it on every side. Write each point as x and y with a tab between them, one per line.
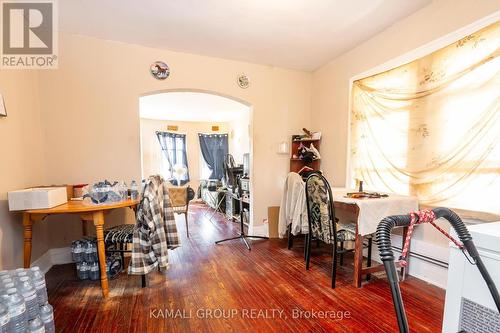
242	235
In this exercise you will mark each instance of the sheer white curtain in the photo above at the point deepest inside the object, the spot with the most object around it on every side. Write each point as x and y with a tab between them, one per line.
431	128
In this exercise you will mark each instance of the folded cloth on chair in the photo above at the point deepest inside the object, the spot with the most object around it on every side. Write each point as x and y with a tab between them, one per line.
293	208
155	231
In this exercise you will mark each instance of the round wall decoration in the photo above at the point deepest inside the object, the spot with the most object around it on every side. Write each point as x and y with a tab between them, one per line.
243	81
160	70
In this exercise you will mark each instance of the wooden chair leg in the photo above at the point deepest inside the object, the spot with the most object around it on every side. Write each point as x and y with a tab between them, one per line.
334	265
122	255
308	250
341	253
187	225
290	236
369	257
305	246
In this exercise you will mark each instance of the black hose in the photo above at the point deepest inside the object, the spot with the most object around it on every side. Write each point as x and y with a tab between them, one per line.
383	235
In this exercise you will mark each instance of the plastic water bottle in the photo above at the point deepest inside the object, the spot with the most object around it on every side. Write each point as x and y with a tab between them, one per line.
32	270
94	271
41	288
83	271
4	317
17	312
36	325
123	190
85	251
7	280
8	286
27	289
91	252
95	256
134	190
87	256
77	252
47	316
6	276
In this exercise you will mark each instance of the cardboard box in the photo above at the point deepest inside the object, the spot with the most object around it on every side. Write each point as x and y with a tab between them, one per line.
273	214
69	189
37	198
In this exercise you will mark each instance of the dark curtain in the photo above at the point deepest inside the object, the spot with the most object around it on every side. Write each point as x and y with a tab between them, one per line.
173	146
214	147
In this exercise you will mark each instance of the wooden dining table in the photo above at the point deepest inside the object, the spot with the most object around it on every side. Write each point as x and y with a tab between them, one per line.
87	212
366	214
359	271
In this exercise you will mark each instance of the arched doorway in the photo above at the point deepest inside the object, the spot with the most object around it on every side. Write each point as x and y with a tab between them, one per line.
191	113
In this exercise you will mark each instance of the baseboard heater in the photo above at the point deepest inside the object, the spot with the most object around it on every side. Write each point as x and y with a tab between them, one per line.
423	257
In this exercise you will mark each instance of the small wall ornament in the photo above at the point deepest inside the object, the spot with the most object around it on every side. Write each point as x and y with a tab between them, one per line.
160	70
243	81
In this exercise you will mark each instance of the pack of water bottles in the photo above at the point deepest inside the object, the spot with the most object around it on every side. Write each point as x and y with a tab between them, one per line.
24	303
84	254
105	192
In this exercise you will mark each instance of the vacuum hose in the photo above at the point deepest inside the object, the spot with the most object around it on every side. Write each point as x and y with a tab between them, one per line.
383	236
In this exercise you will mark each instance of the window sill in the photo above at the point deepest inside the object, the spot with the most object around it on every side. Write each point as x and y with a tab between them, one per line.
470	214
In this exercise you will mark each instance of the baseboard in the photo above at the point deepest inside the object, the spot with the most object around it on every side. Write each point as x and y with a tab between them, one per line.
57	256
44	262
61	256
260	230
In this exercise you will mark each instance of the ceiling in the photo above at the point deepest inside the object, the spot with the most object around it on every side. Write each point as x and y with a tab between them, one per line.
190	106
299	34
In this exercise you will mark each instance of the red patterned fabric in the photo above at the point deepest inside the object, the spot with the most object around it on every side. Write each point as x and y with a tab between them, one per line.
420	217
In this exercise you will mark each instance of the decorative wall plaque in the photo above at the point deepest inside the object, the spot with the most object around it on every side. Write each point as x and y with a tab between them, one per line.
160	70
243	81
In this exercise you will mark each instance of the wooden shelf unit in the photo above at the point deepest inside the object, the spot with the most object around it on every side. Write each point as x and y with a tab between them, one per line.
295	163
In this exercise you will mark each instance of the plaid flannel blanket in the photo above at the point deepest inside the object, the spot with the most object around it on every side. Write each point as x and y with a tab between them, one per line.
155	231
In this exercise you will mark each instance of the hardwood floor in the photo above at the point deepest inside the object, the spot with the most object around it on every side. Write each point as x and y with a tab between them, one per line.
226	288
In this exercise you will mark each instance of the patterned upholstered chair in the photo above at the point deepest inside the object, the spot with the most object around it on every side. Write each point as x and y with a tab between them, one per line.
322	222
180	197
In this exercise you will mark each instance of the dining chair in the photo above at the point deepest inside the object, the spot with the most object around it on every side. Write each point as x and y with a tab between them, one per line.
322	221
180	197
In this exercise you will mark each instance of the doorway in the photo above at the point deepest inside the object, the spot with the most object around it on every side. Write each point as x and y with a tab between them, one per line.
172	126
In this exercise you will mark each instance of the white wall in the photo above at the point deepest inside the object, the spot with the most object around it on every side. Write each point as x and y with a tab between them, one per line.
239	138
23	161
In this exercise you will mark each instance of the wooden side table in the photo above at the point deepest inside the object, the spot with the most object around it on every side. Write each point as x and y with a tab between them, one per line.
87	212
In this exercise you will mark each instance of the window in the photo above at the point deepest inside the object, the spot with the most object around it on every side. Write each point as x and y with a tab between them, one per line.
174	161
205	171
431	128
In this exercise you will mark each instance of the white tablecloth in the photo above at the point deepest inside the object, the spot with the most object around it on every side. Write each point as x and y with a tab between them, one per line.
372	211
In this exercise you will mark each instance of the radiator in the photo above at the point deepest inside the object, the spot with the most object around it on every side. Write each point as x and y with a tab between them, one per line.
469	306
